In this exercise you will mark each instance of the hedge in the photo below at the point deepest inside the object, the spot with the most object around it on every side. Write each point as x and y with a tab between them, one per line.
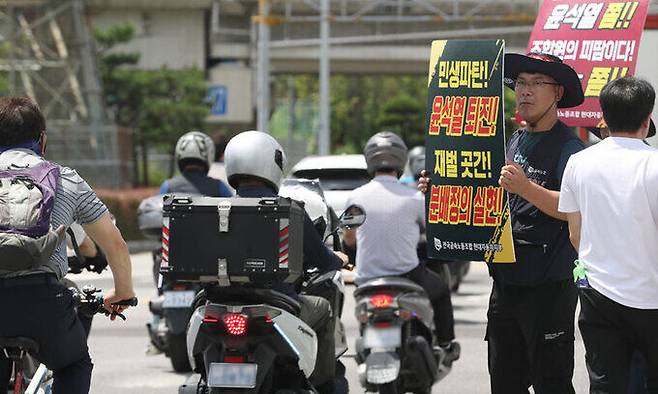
123	204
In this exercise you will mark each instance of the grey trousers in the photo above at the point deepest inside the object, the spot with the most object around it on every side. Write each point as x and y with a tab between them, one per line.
316	312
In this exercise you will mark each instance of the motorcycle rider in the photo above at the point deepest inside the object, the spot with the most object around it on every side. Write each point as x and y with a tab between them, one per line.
416	161
254	167
195	151
387	240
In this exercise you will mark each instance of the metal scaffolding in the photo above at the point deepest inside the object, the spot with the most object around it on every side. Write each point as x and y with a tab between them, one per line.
47	53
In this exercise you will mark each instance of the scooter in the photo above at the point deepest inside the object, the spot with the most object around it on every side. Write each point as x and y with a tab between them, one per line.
250	340
396	351
172	308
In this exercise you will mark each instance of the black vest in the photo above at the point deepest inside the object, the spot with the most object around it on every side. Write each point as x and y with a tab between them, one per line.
541	242
195	183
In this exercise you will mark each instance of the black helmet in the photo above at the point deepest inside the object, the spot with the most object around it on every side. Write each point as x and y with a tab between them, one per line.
385	150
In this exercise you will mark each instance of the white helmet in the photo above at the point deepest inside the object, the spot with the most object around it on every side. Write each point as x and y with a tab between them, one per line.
195	146
257	155
385	150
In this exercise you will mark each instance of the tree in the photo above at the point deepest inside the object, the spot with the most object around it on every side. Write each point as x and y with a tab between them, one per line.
404	116
158	105
362	106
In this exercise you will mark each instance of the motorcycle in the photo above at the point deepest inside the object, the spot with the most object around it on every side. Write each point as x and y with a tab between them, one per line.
396	351
172	308
252	340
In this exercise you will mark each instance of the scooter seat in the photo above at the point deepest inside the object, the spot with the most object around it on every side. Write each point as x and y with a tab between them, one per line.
388	283
22	343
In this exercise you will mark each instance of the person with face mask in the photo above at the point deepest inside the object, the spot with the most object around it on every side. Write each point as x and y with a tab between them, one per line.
34	302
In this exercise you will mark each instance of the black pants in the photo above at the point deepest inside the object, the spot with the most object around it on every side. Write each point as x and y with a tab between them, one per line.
611	332
46	314
530	337
438	291
638	374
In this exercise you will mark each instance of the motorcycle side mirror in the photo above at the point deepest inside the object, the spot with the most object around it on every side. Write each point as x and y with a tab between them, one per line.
352	217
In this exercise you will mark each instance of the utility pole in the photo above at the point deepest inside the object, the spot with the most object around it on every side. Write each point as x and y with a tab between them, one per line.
324	136
263	68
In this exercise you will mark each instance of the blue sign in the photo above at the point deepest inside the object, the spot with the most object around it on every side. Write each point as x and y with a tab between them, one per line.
218	97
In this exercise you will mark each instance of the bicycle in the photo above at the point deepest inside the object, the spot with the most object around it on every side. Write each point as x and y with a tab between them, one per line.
19	350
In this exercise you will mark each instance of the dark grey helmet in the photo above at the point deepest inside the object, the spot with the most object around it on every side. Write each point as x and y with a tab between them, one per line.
385	150
416	160
254	154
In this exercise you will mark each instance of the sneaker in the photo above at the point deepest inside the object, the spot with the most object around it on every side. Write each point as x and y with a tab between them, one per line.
452	353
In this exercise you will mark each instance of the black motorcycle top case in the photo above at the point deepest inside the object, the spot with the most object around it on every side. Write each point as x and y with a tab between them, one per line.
232	241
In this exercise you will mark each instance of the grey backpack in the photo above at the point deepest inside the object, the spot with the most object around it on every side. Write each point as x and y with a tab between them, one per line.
27	198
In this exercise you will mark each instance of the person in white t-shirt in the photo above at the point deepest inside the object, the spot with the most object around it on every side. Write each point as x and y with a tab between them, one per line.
610	195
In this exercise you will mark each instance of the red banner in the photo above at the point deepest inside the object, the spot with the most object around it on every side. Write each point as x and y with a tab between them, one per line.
600	40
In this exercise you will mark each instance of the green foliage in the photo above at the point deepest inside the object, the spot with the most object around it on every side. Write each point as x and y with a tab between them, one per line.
404	116
360	107
120	33
173	104
4	83
160	105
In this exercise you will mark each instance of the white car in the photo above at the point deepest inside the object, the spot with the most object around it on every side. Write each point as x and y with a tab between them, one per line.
338	175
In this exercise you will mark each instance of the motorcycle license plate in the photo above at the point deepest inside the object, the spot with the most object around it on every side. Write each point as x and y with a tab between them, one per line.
178	299
232	375
385	337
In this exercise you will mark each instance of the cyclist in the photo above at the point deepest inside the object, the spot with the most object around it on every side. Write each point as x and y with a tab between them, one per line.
34	303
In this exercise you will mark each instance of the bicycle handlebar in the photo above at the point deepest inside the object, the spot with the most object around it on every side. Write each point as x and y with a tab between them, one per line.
89	302
129	302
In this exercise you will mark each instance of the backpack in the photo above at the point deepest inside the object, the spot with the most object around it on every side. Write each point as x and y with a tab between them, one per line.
27	199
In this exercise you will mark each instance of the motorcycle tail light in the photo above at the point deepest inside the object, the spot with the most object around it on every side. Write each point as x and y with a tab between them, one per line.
234	359
236	324
210	319
381	300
